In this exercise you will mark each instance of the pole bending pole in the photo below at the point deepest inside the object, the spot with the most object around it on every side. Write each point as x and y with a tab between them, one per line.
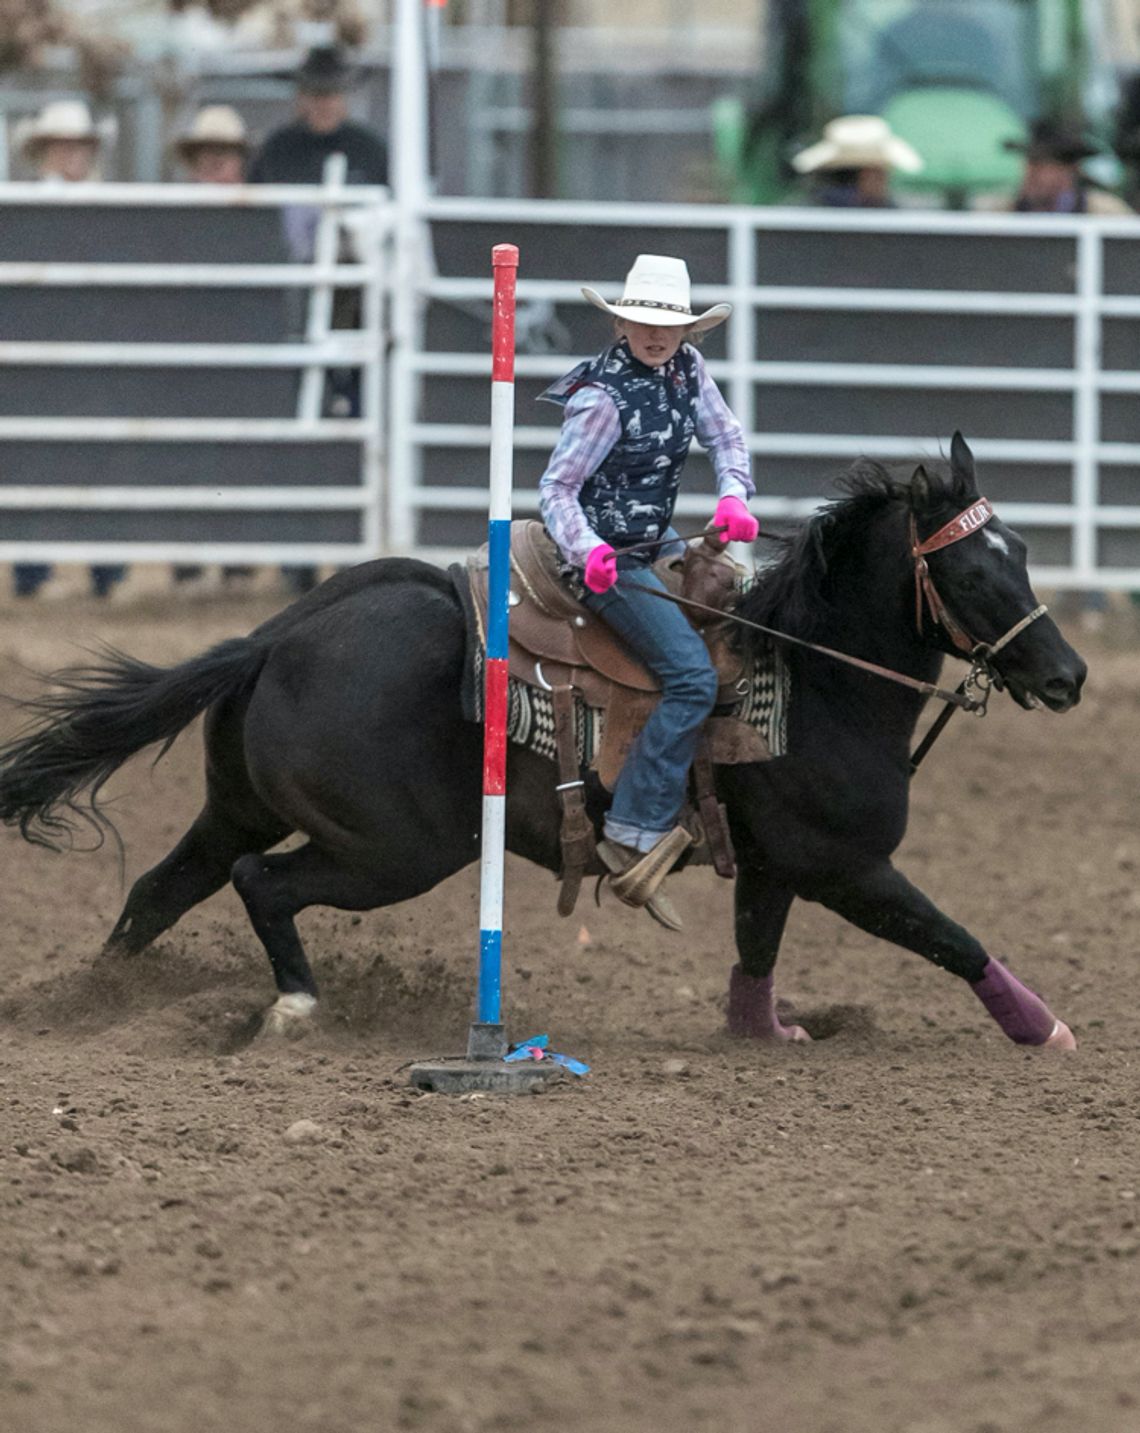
485	1041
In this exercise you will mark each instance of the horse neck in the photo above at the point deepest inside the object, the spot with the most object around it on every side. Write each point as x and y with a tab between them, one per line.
871	615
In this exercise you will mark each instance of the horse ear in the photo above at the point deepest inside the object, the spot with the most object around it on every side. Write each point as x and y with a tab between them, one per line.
962	462
920	495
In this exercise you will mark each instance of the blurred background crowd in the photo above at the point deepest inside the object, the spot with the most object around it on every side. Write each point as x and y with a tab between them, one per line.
652	99
1021	105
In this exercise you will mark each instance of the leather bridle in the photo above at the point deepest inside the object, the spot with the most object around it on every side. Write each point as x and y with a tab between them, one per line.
973	691
968	522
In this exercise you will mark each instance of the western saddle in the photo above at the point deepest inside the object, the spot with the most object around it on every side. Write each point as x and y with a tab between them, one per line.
557	645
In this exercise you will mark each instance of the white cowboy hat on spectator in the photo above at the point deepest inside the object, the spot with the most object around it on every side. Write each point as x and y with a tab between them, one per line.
215	126
657	292
858	141
62	119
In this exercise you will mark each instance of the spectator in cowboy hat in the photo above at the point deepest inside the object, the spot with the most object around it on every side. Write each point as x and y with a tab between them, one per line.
63	142
296	154
213	150
1052	181
854	160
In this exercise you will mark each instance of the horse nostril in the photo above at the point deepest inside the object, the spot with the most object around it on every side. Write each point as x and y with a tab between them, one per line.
1065	689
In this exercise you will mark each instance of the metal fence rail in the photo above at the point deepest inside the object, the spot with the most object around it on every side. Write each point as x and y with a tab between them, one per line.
188	495
1029	303
853	334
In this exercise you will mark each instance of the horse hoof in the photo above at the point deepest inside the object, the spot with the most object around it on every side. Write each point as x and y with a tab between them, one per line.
118	948
289	1017
1062	1038
772	1034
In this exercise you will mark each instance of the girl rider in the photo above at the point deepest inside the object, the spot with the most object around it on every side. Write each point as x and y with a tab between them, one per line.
612	480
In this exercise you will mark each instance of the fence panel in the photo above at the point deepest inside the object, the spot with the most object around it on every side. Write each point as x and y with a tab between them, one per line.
154	403
161	374
854	333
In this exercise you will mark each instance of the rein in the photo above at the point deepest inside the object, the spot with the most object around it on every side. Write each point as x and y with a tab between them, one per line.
973	692
651	542
928	689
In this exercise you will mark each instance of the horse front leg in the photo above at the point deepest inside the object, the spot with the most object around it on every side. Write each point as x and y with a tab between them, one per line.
762	907
880	900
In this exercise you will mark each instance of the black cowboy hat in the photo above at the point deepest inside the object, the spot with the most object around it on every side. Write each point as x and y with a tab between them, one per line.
1050	139
324	71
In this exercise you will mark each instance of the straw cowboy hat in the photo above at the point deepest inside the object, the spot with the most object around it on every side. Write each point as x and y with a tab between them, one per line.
215	126
657	292
62	119
858	141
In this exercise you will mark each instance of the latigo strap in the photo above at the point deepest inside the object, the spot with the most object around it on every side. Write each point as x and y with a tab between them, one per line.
579	848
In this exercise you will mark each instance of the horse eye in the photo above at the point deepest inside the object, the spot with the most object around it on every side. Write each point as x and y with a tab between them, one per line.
970	579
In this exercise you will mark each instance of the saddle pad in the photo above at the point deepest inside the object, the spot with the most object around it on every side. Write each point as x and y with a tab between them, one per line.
530	711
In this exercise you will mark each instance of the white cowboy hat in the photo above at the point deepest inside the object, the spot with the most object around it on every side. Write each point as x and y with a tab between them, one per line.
215	125
858	141
62	119
657	292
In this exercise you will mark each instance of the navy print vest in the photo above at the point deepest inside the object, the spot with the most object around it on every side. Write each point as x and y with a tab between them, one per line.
631	496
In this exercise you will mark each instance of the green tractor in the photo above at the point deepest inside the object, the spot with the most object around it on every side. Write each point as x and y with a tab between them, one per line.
955	78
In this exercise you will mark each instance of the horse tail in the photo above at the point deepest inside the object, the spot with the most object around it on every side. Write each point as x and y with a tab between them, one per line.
97	716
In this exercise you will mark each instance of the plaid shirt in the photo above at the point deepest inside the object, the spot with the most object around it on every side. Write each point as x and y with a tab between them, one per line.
591	427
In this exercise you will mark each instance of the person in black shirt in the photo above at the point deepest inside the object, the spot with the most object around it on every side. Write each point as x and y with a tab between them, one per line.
296	154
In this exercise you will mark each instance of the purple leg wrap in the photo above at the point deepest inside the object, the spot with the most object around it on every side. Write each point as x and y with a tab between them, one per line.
752	1007
1024	1017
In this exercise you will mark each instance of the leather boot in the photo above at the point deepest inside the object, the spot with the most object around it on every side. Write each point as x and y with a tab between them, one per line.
636	877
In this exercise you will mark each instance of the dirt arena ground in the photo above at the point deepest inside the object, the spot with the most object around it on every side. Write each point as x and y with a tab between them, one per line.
909	1227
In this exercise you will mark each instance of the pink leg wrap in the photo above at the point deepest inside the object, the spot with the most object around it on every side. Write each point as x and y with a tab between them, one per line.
1024	1017
752	1009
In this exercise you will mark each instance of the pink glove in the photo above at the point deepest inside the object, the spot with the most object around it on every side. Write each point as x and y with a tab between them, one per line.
601	568
734	516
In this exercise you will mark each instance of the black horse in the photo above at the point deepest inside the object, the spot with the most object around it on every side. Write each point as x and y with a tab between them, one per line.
340	718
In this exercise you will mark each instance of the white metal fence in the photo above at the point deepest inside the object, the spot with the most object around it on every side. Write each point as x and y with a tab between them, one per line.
853	334
206	518
1056	427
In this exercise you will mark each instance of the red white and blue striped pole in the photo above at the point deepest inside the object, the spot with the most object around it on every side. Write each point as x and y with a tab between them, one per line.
505	261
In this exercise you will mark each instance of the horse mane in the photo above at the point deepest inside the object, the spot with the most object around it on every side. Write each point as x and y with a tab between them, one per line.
793	592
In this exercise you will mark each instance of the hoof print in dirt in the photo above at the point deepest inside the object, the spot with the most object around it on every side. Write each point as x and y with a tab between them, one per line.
828	1021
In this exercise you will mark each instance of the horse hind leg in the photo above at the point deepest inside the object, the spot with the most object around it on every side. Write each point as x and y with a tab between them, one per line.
197	867
762	908
274	890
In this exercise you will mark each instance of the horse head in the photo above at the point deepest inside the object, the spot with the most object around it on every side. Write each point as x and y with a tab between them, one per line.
973	595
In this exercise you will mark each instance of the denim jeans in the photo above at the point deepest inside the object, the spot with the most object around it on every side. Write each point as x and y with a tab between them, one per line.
651	788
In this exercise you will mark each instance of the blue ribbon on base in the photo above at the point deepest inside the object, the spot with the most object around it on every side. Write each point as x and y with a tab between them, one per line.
536	1048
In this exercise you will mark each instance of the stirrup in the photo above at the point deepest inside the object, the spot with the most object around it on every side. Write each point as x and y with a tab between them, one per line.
635	877
659	906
